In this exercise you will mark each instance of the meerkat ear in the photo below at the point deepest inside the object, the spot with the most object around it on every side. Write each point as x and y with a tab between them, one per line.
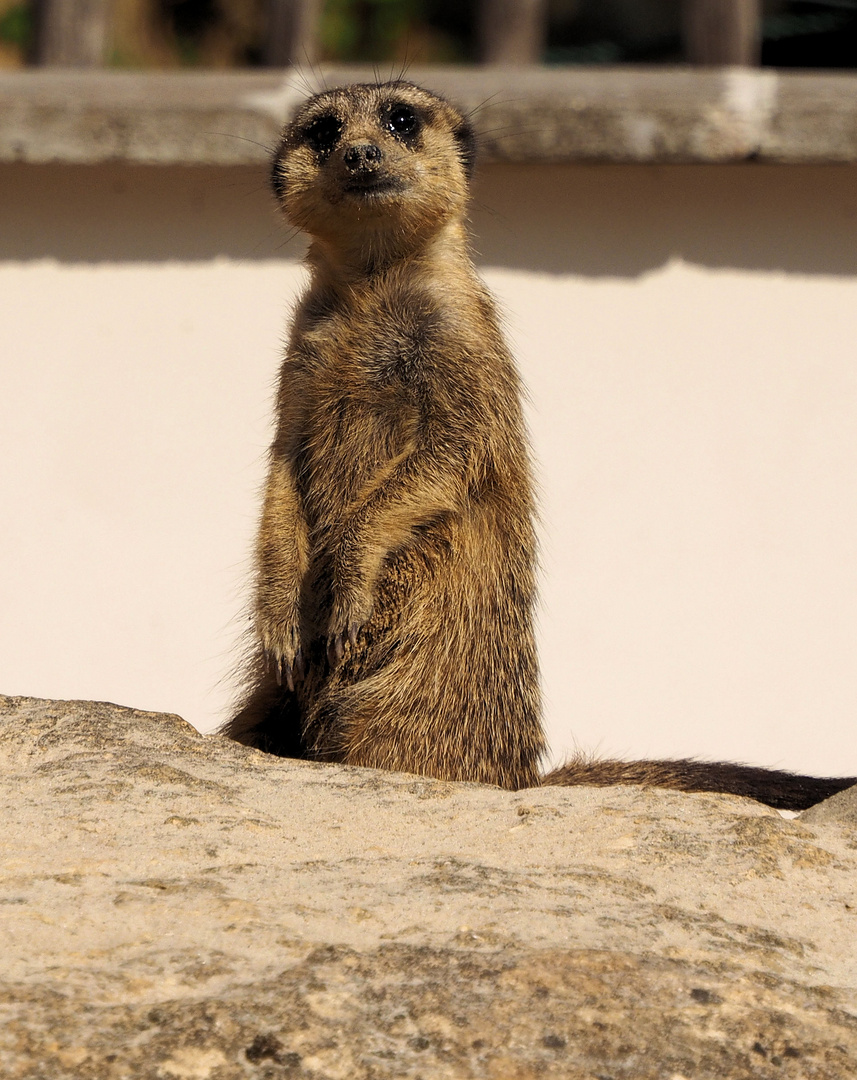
465	137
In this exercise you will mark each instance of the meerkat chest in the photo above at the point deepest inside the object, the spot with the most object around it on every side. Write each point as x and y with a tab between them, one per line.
362	397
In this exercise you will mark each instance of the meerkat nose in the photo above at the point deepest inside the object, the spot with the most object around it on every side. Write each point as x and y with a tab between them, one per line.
362	157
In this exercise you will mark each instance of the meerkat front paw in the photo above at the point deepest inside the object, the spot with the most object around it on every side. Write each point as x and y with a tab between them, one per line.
346	621
283	654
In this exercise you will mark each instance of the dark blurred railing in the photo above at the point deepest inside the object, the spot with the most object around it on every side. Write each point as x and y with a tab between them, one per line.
71	33
74	33
713	31
722	31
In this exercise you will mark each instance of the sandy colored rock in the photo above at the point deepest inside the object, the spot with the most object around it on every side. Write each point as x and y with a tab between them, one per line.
175	905
841	808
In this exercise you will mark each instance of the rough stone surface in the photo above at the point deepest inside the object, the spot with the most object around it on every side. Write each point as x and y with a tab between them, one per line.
540	114
173	905
840	808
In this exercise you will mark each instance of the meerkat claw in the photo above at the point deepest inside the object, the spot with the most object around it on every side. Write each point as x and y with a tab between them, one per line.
298	666
335	649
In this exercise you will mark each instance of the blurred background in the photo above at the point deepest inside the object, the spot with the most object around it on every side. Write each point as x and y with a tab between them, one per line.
141	34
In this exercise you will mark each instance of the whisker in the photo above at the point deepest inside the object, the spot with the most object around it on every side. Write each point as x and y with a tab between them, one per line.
229	135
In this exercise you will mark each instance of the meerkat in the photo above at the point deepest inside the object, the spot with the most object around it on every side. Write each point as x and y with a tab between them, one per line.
395	560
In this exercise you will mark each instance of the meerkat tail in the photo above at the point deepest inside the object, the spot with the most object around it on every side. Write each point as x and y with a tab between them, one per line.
782	790
269	720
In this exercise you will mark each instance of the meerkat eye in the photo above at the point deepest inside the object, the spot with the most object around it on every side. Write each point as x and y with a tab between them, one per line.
323	133
403	121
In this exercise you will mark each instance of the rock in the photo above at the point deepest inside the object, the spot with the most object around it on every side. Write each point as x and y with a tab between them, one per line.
174	905
838	808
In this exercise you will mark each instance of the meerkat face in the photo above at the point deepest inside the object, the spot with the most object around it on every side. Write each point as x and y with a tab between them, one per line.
368	159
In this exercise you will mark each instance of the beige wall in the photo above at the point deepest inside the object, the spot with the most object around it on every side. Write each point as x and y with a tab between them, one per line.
687	335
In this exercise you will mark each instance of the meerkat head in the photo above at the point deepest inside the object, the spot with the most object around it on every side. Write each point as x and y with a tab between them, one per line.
374	165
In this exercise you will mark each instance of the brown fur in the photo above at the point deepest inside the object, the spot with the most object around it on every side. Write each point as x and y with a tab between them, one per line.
395	559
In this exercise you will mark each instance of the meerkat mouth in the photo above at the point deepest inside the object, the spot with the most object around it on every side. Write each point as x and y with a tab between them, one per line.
373	185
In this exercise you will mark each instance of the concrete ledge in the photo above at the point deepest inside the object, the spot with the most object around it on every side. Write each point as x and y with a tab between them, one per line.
533	115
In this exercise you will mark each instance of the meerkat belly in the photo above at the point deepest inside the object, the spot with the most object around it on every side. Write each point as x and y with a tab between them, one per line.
354	435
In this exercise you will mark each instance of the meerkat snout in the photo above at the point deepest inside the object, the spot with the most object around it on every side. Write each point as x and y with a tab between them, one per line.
362	157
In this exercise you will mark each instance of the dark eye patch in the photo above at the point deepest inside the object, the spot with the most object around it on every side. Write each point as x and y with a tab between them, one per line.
323	133
403	121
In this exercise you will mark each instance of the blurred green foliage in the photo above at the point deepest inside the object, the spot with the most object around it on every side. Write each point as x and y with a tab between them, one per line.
16	25
420	30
